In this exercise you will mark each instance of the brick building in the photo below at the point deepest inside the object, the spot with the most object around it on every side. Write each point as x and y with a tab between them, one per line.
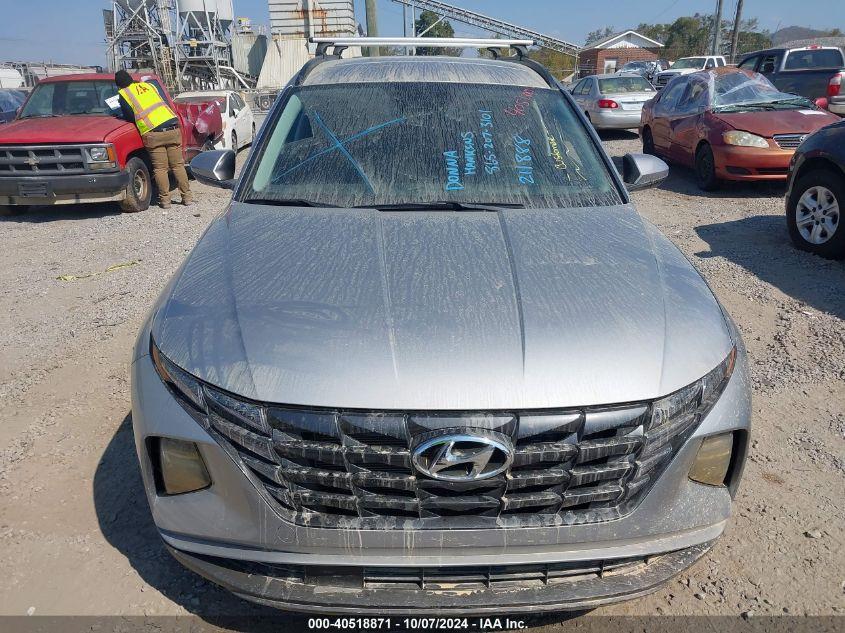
610	53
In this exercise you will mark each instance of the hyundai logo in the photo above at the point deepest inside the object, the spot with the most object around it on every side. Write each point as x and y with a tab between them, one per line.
462	457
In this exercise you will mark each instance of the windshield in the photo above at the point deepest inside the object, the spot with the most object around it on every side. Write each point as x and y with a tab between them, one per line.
633	66
740	90
404	143
71	97
624	84
691	62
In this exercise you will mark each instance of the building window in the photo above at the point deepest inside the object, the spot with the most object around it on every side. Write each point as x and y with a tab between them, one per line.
610	65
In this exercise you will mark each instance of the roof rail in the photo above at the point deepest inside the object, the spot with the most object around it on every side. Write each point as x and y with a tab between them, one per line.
339	44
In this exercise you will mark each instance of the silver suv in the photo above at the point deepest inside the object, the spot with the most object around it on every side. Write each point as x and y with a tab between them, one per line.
430	359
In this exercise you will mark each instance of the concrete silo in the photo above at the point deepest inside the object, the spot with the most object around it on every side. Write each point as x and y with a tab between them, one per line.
292	22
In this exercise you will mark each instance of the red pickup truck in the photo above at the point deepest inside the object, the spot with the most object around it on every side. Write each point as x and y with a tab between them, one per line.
69	144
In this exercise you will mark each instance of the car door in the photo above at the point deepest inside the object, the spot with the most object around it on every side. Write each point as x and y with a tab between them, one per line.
664	112
684	127
244	124
578	93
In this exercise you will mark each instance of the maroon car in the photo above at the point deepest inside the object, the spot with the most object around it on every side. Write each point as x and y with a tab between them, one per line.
729	124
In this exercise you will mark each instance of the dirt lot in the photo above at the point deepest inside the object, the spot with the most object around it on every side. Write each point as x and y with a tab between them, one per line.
75	532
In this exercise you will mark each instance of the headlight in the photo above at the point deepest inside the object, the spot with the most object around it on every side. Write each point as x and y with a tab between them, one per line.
181	382
713	460
675	417
101	157
744	139
99	154
180	467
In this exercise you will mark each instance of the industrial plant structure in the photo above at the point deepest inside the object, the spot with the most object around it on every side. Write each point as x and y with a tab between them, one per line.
199	44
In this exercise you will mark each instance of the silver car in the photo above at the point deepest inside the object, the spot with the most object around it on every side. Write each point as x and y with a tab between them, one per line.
613	101
430	359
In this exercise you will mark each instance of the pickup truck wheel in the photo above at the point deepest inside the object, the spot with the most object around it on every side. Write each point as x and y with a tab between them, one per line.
18	209
705	169
139	190
814	214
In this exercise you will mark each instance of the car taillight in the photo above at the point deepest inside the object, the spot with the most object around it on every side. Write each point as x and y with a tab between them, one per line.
835	85
608	103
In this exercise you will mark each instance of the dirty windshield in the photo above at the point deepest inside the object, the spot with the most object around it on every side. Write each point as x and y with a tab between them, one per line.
739	91
71	97
405	143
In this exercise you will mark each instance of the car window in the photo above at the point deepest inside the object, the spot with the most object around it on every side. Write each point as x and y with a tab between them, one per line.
64	98
586	87
617	85
671	94
710	63
694	98
818	58
769	64
750	63
574	89
720	61
428	142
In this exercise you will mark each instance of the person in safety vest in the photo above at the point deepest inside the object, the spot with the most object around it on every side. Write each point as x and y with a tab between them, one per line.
141	102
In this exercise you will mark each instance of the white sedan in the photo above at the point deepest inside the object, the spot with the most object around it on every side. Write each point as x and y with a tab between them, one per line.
238	120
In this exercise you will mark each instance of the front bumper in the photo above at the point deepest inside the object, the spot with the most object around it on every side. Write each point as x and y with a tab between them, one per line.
50	190
751	163
458	591
221	529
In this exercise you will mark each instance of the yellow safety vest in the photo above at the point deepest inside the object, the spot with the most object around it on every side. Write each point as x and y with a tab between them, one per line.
149	108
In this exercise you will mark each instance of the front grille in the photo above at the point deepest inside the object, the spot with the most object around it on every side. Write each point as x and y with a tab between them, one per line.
39	160
337	468
439	578
789	141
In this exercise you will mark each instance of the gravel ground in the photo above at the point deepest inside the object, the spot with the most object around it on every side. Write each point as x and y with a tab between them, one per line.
75	532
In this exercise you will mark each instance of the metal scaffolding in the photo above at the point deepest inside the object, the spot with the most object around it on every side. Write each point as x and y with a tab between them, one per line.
139	34
493	25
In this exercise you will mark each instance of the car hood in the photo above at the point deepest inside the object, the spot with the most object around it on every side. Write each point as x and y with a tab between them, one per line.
67	129
802	121
440	310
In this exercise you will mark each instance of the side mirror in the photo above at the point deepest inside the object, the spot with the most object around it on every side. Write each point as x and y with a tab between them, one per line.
643	170
215	168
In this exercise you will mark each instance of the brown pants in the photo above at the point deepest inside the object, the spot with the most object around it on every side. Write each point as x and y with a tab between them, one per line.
165	150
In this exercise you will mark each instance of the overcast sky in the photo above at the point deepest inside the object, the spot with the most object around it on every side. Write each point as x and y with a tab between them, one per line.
71	31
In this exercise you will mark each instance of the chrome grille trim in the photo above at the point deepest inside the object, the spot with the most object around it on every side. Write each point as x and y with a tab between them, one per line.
45	160
353	469
789	141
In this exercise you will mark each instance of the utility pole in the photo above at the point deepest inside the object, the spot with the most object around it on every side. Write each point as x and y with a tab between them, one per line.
372	25
717	29
735	34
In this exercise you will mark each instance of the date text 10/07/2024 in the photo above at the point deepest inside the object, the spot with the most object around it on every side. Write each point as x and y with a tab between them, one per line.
416	624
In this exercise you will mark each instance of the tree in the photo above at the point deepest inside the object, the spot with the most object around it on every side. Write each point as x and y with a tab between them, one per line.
598	35
559	64
443	28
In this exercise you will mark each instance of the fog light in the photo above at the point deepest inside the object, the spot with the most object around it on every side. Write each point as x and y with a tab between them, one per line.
713	460
181	467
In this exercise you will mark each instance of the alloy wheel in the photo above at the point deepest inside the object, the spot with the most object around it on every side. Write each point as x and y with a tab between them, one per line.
817	215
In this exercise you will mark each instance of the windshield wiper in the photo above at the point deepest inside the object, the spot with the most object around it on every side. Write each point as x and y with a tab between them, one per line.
39	116
286	202
444	205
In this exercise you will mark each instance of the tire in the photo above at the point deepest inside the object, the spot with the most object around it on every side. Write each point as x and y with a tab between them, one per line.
705	168
139	191
235	142
13	210
648	142
817	202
